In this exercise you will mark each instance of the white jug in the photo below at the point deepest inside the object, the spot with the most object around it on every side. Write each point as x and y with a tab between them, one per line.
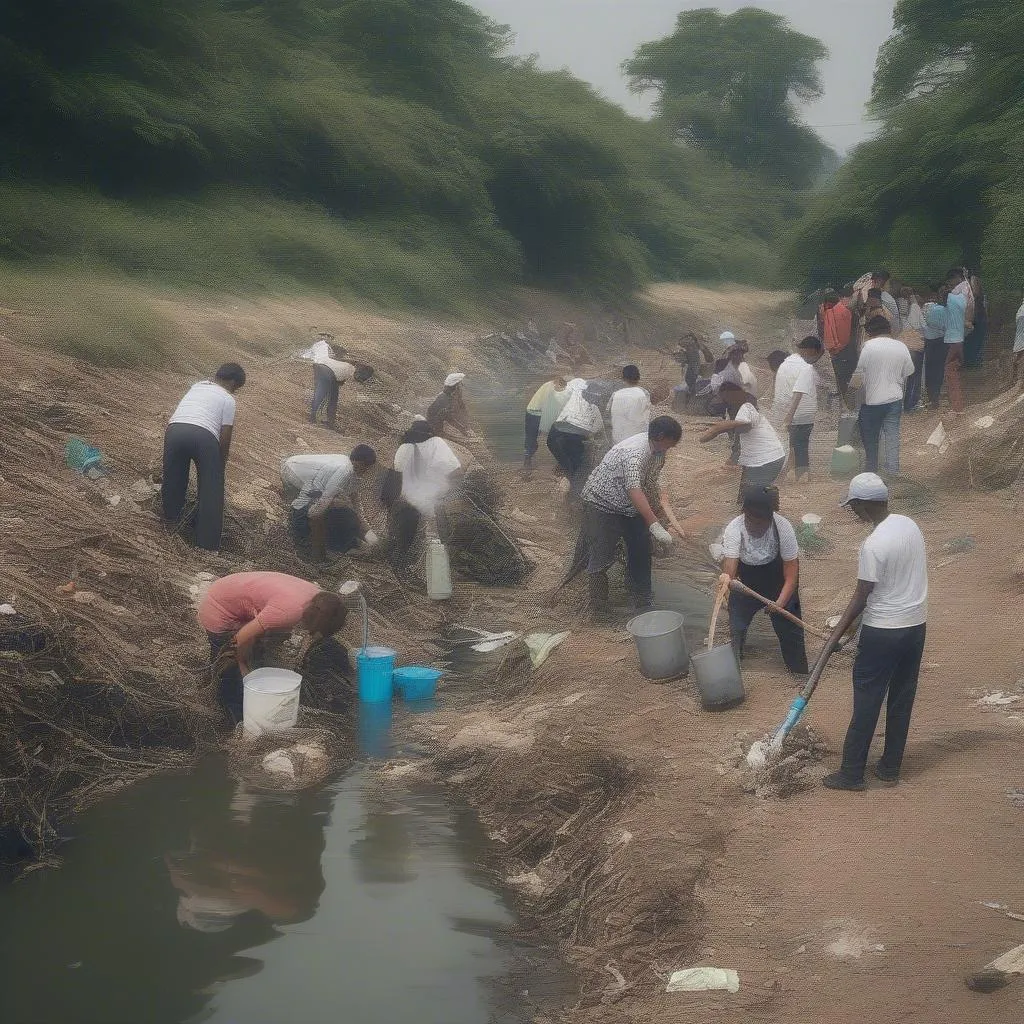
438	573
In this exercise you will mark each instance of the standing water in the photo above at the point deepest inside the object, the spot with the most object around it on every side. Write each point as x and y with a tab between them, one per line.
189	899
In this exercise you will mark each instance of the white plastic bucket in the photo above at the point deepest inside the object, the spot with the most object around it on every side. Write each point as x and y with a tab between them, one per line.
270	700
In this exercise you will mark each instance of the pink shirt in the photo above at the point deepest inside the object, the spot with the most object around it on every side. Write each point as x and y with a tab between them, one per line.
274	599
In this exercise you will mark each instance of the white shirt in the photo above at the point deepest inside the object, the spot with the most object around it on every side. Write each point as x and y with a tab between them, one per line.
795	377
581	416
737	542
425	468
553	405
630	410
895	560
318	351
206	405
748	379
330	475
884	366
342	371
760	444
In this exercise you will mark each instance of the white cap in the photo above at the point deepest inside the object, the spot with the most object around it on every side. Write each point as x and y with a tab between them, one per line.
727	338
454	378
419	419
867	487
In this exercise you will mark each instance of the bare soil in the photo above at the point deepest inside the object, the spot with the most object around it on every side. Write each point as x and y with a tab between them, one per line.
621	811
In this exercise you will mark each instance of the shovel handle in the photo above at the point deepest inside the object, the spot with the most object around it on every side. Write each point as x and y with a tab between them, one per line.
742	588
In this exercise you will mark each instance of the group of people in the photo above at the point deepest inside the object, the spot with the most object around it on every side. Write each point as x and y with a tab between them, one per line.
620	497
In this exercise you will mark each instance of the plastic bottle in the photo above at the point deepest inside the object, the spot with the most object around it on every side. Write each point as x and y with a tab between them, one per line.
439	575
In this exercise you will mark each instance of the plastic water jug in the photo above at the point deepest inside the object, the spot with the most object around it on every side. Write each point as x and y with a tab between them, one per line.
439	573
845	461
270	700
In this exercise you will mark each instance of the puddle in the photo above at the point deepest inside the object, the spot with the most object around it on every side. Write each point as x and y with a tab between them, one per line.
188	899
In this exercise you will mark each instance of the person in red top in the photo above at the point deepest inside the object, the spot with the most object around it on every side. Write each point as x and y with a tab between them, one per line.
239	609
836	329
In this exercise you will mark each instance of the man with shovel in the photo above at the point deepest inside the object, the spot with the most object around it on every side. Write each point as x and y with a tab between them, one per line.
892	594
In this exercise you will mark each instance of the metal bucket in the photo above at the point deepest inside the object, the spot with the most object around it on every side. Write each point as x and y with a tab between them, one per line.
660	644
719	680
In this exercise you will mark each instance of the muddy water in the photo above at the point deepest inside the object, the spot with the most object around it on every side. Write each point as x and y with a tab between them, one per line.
188	899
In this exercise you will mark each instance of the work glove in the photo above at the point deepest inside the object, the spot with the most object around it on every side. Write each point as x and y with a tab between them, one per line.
661	535
370	539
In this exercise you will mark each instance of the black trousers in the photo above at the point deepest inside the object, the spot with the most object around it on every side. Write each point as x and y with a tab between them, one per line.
912	391
935	355
844	362
403	522
767	580
325	395
532	434
185	443
800	442
569	451
603	532
888	662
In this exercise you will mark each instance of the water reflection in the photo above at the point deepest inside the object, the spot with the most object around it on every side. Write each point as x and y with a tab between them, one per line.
383	852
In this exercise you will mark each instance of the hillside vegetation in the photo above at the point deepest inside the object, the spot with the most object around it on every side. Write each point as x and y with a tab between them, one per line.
942	181
386	148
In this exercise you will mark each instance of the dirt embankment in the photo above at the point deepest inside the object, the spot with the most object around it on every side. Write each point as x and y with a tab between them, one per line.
620	810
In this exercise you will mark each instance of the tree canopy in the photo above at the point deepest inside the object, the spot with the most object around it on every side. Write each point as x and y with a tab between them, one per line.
941	180
731	84
400	125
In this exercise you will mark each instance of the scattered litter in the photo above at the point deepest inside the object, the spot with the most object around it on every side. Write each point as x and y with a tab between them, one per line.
993	906
81	456
938	437
999	699
960	544
493	641
999	972
8	609
279	763
704	979
985	422
1016	797
541	645
68	588
113	500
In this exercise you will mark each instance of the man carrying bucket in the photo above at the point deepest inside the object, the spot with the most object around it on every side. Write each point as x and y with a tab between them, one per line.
892	594
622	501
238	610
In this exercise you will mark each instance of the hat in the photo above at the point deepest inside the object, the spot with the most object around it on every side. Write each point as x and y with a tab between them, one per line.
727	338
867	487
454	378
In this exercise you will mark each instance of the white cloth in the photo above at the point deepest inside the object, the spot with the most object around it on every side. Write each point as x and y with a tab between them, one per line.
737	542
318	351
915	318
748	379
895	560
342	371
454	378
206	405
884	366
760	444
795	376
425	469
630	411
579	415
331	475
553	405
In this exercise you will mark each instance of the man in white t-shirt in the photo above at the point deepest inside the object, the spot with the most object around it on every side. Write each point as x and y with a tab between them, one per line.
892	594
796	400
329	374
630	407
320	481
199	431
883	368
762	455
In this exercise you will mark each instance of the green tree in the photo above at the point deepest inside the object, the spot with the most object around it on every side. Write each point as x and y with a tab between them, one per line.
732	84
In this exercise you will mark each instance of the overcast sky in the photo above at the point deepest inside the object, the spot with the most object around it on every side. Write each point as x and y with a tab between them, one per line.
593	37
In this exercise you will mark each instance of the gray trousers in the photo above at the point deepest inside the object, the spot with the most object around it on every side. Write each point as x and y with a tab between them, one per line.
185	443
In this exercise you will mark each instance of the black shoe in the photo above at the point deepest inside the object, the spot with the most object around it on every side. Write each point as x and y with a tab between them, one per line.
890	778
837	780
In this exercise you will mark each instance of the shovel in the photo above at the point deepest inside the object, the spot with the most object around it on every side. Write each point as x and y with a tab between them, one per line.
742	588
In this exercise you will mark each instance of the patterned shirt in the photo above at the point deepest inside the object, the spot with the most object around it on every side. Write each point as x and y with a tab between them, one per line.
628	465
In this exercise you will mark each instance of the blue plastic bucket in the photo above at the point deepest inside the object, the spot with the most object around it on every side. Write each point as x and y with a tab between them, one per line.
374	669
416	682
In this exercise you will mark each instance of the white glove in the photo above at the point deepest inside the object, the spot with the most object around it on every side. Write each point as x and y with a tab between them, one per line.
371	539
661	535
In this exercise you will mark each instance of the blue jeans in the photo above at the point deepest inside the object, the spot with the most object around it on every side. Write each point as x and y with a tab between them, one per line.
880	424
887	666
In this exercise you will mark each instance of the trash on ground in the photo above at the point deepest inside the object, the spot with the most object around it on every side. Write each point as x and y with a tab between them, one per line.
8	609
541	645
985	422
999	973
938	437
493	641
81	456
999	699
279	763
704	979
960	544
